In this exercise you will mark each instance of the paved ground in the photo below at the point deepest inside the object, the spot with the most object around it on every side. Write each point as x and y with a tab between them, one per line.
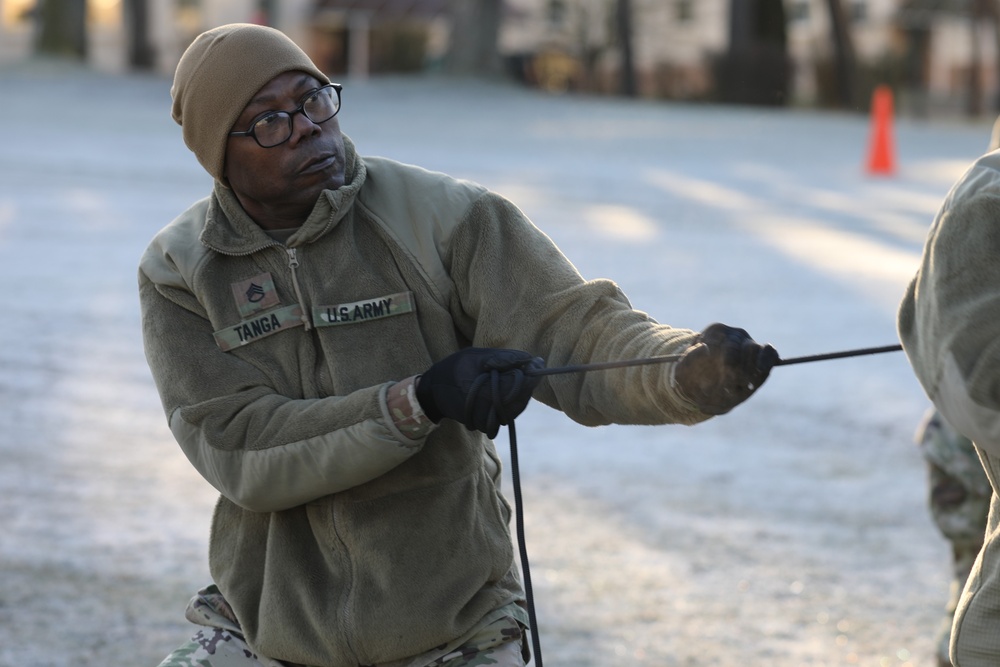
791	532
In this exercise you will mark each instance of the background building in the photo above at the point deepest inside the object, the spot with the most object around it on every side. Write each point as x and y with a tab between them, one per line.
939	55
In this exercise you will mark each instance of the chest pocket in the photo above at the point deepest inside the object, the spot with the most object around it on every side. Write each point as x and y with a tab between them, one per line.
364	310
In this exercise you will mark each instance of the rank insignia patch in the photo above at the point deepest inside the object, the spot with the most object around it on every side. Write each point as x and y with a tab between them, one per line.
256	294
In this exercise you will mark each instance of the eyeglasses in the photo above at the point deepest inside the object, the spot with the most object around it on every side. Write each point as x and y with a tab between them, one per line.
273	128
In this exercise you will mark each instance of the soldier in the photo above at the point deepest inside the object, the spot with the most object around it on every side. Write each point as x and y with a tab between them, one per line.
948	323
959	500
959	494
336	339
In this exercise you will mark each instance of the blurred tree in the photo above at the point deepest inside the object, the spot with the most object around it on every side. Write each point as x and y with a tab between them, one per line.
62	29
475	26
845	65
756	67
623	15
141	55
981	12
916	32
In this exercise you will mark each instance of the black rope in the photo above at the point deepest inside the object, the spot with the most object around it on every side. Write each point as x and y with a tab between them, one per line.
515	474
604	365
499	415
515	470
840	355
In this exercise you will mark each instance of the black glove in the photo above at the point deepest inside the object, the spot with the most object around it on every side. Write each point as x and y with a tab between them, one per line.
482	388
722	369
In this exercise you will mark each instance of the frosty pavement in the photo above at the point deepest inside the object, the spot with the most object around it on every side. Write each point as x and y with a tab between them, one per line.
791	532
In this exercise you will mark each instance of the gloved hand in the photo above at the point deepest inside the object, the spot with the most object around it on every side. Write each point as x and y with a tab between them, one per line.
482	388
722	369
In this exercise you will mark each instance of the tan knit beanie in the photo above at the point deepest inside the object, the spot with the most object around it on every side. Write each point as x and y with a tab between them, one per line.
217	77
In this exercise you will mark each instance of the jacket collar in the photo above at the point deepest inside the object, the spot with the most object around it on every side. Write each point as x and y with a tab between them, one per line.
229	230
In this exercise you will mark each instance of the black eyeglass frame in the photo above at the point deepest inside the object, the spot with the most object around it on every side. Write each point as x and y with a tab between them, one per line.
252	132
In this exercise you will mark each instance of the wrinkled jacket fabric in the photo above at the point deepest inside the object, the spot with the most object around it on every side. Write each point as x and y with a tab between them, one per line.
337	540
949	323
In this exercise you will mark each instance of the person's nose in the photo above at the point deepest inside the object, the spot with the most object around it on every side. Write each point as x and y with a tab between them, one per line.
302	127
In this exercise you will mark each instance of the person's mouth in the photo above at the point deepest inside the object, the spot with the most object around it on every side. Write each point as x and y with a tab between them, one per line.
319	163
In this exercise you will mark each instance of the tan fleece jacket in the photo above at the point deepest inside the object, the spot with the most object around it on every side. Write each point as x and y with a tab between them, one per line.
949	323
338	540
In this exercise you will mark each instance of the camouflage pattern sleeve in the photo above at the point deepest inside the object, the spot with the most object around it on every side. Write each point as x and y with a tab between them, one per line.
407	415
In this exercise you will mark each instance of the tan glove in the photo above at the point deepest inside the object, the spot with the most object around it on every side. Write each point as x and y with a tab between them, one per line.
722	369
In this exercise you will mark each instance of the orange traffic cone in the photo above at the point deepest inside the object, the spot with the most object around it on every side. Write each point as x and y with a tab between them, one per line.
881	150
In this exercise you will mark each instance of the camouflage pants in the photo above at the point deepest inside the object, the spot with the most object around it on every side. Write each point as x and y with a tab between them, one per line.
959	500
220	642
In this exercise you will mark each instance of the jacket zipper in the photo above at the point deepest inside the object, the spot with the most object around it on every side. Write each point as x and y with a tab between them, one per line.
293	264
